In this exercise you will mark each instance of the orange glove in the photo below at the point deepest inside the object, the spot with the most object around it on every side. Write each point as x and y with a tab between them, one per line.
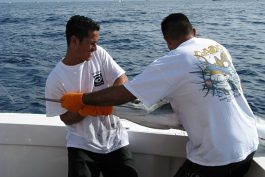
95	110
72	101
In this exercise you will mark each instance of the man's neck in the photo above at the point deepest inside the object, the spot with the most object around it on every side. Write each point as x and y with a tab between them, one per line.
71	59
179	42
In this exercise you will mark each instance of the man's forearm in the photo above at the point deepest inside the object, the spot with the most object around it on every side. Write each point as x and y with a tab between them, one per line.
111	96
71	118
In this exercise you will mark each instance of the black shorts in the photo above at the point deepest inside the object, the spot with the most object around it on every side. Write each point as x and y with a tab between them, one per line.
82	163
238	169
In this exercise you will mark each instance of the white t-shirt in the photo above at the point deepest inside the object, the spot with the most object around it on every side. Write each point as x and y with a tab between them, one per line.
200	81
101	134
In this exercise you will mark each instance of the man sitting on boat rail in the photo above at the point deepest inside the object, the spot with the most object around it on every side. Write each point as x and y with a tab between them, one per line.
199	80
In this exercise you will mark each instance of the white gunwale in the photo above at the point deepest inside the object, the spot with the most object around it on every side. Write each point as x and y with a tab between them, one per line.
23	136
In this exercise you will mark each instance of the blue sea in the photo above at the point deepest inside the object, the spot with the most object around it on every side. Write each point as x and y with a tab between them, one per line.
32	41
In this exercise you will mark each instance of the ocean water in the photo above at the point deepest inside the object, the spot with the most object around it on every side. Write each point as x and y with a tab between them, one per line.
32	41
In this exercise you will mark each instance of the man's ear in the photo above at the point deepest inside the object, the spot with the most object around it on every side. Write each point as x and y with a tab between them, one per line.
74	41
171	44
194	32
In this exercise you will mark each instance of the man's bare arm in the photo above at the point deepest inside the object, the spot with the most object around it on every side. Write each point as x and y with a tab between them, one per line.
111	96
71	117
115	95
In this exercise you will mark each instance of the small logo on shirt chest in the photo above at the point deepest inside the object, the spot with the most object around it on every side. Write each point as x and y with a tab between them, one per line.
98	79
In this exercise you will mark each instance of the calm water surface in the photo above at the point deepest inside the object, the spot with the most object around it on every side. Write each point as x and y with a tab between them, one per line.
32	41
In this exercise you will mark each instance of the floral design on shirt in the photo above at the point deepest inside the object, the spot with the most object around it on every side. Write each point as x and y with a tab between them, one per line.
218	75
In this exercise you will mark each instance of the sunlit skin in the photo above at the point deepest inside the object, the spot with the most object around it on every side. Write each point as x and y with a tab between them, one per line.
80	51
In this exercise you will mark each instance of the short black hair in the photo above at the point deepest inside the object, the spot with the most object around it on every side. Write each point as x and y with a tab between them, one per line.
80	26
176	25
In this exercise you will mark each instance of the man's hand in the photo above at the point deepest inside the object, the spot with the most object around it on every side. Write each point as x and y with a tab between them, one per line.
95	110
72	101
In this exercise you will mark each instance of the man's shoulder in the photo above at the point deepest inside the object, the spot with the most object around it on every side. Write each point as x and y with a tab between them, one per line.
207	40
100	49
54	72
56	67
101	55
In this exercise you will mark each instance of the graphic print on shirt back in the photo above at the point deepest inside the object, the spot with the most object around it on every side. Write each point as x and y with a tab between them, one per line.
98	79
219	77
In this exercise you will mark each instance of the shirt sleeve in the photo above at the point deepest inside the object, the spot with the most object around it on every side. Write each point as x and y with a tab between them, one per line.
111	68
54	91
159	80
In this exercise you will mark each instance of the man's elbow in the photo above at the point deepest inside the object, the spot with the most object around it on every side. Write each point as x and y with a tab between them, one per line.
70	118
121	80
66	122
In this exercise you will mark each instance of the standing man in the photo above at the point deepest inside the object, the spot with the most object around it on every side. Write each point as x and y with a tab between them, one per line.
96	141
199	80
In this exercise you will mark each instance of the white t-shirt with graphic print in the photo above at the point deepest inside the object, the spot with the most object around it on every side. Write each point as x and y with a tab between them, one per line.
200	81
101	134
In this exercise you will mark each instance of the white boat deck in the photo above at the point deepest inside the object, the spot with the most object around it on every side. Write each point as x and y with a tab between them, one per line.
34	145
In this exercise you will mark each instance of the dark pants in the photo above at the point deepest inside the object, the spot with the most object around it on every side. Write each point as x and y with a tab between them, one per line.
82	163
239	169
